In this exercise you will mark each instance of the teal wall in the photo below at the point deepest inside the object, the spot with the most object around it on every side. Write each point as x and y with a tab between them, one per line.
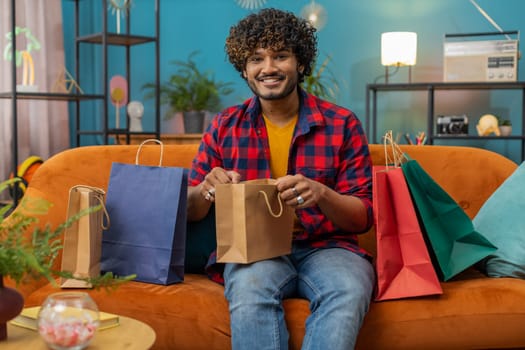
351	37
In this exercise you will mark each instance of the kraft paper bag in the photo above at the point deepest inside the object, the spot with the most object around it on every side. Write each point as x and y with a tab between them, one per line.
147	207
403	265
252	223
83	239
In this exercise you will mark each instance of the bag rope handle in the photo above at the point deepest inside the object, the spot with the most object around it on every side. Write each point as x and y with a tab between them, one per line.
146	141
270	207
106	214
397	154
99	194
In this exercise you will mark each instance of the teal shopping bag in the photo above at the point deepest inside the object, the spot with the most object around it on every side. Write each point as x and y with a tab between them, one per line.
450	234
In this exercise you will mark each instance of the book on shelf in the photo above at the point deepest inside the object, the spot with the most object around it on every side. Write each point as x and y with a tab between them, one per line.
28	319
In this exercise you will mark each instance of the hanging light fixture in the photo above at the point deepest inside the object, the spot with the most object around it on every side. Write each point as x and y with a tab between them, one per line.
250	4
315	13
398	49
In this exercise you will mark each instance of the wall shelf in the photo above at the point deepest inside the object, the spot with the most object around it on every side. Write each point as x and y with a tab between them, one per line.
116	39
372	91
49	96
104	39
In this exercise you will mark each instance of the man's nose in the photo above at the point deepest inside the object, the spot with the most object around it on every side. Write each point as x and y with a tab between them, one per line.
269	65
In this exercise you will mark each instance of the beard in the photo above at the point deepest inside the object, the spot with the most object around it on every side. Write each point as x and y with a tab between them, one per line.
286	90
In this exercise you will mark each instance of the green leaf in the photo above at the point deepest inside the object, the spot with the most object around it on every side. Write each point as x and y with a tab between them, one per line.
190	89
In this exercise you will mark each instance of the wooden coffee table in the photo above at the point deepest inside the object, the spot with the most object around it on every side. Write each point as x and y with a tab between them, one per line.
131	334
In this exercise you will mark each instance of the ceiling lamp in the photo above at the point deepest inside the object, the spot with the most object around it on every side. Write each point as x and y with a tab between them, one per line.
315	13
250	4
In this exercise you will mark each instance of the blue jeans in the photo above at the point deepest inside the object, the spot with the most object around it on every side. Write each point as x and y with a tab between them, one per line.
338	283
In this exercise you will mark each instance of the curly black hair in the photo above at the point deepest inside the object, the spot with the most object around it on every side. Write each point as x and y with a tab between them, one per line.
276	30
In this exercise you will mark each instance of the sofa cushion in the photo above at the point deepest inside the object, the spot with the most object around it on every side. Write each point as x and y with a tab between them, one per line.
501	220
479	313
200	243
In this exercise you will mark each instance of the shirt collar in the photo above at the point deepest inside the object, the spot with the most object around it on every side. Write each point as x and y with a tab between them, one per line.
309	114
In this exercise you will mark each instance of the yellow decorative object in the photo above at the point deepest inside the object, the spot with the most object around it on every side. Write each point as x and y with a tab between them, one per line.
28	76
65	83
488	124
23	57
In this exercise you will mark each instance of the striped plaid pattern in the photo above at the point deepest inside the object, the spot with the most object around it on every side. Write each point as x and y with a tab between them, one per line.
328	146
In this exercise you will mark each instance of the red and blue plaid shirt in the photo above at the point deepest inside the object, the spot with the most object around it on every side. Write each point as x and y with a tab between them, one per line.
328	146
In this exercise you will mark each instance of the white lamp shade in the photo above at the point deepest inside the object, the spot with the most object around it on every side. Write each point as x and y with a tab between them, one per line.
398	48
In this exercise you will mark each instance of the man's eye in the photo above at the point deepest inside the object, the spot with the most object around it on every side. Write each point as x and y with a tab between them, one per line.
254	59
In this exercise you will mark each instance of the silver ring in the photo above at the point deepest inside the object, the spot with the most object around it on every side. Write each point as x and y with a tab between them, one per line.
207	196
300	200
294	191
211	192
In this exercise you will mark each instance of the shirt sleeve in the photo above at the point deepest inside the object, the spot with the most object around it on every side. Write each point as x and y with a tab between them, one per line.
207	157
355	172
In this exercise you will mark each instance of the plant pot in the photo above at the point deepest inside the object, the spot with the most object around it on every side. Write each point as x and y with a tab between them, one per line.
505	130
193	122
11	304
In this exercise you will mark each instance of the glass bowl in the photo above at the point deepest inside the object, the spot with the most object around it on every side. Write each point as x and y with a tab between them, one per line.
68	320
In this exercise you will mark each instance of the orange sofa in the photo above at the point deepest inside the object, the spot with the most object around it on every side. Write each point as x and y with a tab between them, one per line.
474	311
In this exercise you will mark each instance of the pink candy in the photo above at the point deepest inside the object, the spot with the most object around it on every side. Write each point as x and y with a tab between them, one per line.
67	334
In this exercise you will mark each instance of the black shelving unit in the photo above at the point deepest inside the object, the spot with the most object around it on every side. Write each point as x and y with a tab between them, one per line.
371	107
105	39
15	95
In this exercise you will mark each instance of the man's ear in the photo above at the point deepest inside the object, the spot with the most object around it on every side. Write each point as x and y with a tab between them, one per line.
300	69
244	74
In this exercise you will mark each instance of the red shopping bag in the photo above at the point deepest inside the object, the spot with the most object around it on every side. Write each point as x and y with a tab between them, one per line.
403	265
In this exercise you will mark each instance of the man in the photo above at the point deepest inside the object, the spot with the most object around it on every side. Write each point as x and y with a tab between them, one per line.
319	155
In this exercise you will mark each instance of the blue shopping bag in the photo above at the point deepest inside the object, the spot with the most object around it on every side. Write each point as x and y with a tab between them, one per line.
147	209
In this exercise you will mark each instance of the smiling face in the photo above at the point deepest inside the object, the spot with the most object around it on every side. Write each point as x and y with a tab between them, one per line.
272	75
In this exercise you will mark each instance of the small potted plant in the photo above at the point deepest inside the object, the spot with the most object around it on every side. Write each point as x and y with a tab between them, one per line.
192	92
505	126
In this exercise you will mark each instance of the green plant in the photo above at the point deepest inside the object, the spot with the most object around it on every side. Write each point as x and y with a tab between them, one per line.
504	122
21	257
190	89
322	82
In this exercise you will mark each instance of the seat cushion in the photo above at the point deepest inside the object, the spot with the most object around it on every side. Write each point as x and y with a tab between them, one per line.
472	313
478	313
200	243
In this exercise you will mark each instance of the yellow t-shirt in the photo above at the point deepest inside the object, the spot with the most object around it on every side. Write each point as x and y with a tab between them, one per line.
280	139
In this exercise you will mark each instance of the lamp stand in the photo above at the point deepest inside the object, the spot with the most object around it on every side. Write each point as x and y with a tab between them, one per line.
409	74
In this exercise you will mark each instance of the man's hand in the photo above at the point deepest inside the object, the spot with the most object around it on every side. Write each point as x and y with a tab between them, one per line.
346	211
215	177
201	197
299	191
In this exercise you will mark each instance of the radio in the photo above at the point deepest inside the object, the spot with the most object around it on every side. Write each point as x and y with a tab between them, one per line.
480	60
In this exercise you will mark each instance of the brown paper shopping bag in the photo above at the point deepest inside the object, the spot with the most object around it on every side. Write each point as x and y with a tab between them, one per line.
252	223
83	239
